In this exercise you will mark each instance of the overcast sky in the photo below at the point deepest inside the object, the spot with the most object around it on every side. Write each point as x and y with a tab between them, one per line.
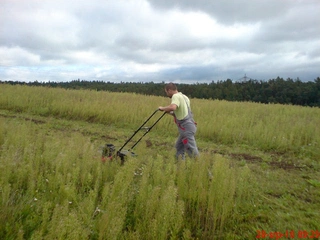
159	40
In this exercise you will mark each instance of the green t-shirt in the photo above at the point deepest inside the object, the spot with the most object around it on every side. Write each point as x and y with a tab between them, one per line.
181	101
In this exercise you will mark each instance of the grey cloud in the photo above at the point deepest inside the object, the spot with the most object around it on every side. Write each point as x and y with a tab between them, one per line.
229	11
159	40
295	25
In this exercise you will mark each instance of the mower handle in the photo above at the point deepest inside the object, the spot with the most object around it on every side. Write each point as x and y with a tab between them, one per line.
141	127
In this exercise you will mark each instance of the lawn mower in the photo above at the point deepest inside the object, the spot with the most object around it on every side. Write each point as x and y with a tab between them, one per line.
109	150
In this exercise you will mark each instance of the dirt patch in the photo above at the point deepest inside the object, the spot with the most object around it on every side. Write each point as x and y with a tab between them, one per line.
286	165
247	157
107	137
36	121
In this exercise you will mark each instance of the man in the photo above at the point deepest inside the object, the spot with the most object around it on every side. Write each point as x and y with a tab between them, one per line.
181	111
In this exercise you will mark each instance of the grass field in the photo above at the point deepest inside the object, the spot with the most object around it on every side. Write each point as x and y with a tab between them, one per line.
257	177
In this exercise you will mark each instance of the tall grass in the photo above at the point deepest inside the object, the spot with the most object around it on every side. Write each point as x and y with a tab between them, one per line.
105	107
54	186
266	127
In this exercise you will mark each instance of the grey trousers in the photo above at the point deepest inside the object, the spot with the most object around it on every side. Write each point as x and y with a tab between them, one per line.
186	142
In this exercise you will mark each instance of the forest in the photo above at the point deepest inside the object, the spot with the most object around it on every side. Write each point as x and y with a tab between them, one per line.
276	91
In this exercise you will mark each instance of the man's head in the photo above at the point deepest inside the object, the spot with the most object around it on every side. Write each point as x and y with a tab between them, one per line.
171	89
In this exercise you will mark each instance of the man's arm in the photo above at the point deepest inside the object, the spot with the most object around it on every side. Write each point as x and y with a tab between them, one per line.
169	108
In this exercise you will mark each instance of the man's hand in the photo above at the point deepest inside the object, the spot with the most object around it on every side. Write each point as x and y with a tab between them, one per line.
164	109
171	107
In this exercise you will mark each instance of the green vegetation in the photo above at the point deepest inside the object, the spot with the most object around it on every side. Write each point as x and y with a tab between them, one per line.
258	172
278	90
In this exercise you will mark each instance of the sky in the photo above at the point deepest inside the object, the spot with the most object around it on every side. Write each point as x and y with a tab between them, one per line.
182	41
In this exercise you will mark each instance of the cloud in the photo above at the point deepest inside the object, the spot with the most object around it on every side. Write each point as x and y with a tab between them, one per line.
17	55
140	40
230	11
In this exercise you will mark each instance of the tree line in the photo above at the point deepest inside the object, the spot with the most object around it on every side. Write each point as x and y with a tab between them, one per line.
278	90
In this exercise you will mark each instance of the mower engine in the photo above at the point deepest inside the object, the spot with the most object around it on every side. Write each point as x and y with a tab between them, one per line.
108	151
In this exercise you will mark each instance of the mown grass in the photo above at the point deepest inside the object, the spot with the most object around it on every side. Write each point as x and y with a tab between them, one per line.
250	177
